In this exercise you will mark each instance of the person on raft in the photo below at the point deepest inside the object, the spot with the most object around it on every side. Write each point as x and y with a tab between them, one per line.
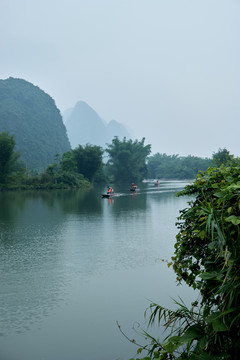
110	190
134	187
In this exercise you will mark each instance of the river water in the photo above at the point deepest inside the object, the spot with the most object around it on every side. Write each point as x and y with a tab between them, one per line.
72	264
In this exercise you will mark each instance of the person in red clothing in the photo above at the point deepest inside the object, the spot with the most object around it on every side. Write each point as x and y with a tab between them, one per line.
134	187
110	190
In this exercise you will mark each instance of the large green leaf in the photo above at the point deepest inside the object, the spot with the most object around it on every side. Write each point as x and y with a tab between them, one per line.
214	275
218	325
216	319
233	219
172	344
193	332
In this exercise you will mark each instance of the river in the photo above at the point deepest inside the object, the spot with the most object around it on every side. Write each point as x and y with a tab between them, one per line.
72	264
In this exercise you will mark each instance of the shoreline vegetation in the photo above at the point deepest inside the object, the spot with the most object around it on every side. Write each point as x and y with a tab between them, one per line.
128	161
206	258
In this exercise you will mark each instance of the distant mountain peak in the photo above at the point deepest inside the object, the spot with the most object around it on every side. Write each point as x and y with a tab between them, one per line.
82	103
113	122
84	125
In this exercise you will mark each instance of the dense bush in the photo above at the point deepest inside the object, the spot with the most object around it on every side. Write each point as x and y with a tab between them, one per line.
207	257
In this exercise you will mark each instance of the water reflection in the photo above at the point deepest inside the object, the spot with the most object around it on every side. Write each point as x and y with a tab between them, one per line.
129	203
75	251
33	264
81	201
11	205
31	281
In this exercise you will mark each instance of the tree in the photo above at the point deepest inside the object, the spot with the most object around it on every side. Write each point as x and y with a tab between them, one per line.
127	160
8	157
68	163
88	160
207	255
82	160
221	157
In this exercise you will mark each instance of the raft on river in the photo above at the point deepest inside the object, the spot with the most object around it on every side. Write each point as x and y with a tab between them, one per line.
107	195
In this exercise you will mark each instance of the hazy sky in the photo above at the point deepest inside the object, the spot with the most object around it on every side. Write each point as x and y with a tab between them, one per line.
169	69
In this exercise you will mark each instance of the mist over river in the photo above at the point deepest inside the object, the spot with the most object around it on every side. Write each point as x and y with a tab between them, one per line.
73	263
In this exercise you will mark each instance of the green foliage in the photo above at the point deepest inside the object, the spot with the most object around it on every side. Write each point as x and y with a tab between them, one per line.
88	160
127	160
207	257
75	169
68	163
210	224
165	166
221	157
60	180
85	160
8	158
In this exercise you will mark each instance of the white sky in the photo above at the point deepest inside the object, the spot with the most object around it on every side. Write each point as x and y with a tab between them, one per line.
168	69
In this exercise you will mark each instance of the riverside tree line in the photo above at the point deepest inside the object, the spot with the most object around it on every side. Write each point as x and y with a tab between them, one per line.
125	161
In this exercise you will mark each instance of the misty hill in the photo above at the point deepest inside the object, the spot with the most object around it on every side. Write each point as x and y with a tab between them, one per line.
84	126
32	117
114	128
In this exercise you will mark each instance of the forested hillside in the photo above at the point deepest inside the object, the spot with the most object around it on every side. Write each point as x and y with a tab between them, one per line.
32	117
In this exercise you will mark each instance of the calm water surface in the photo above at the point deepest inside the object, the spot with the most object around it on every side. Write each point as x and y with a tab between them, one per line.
72	264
